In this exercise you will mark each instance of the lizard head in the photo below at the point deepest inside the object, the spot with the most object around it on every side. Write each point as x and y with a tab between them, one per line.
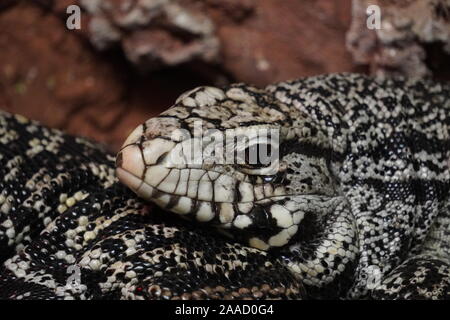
236	158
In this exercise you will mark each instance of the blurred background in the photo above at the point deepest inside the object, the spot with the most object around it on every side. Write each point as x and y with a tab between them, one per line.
131	59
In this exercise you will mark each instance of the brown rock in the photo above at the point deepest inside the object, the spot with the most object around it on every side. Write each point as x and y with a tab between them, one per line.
413	38
55	75
153	34
287	39
47	74
256	41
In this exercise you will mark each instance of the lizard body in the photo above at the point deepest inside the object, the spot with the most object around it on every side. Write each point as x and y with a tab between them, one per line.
356	204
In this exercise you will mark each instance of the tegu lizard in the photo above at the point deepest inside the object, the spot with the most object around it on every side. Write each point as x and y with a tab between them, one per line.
355	198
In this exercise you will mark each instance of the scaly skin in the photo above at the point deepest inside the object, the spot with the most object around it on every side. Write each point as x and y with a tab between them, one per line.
356	207
63	213
360	192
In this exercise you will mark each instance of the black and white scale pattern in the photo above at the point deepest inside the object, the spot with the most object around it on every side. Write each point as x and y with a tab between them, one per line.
358	207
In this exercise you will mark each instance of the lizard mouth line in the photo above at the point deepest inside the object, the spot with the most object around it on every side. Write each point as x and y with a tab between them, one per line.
227	215
137	184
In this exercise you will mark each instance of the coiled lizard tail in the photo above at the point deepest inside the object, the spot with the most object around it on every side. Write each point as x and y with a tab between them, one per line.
236	158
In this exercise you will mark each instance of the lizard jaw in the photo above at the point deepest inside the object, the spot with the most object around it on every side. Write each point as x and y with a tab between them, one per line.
213	199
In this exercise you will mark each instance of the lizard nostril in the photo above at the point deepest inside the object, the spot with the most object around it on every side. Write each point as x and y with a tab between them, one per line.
119	160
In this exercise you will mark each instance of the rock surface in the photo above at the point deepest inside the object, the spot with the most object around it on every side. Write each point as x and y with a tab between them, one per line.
256	41
50	74
61	78
413	38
